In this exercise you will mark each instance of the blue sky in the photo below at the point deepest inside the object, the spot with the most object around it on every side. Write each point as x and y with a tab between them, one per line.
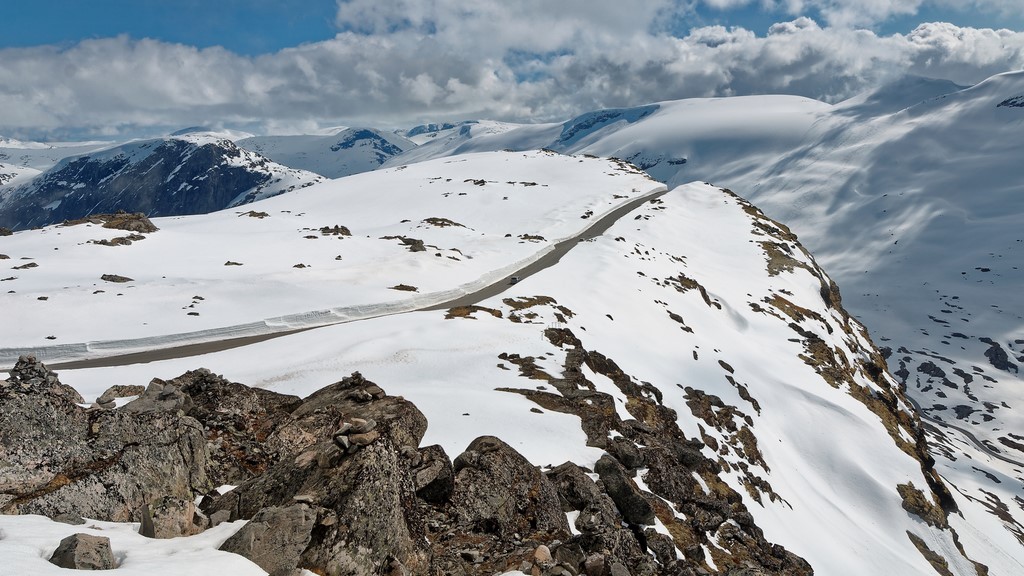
114	68
253	27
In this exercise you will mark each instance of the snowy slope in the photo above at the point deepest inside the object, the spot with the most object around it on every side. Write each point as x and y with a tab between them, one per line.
694	296
346	152
315	254
187	174
910	195
42	156
12	175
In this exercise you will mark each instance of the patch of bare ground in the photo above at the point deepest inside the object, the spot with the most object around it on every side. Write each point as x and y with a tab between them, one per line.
935	559
441	222
255	214
131	222
404	288
468	311
336	230
119	241
116	278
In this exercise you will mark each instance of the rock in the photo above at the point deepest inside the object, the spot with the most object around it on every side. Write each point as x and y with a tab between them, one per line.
238	420
367	498
29	375
120	391
219	517
497	491
364	439
631	504
275	538
116	278
66	518
435	476
94	464
579	492
626	453
171	517
84	552
160	396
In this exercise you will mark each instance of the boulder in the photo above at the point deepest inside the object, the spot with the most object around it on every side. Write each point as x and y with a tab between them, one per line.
434	476
84	552
498	491
160	396
170	517
635	509
59	458
274	538
579	492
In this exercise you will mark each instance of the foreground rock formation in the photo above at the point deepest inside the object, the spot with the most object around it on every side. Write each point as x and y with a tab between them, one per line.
337	483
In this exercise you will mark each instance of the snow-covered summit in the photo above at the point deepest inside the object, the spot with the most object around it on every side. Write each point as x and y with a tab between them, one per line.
339	153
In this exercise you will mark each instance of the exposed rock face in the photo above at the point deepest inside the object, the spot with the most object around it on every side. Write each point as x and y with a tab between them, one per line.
56	457
84	552
162	177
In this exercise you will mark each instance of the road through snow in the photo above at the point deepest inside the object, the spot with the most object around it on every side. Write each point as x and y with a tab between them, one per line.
546	259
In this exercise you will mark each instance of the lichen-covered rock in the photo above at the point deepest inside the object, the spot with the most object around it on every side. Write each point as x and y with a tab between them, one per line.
171	517
274	538
578	492
84	552
366	487
498	491
59	458
434	475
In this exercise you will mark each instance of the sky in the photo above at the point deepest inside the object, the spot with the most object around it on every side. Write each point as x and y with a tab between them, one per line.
71	69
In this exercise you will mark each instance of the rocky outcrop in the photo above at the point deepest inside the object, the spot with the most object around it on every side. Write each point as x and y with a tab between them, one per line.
338	484
57	457
84	552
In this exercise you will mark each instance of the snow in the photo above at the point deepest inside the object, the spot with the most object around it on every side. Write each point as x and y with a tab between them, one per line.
27	542
188	256
334	155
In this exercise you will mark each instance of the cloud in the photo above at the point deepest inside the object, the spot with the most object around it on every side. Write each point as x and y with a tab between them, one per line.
403	62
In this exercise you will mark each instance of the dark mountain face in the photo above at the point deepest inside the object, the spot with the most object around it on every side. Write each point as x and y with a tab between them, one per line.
158	177
382	149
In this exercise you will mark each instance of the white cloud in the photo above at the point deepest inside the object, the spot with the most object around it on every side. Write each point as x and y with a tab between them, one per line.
406	61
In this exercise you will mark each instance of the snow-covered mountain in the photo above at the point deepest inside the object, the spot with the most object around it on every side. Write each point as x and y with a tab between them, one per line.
188	174
693	356
343	153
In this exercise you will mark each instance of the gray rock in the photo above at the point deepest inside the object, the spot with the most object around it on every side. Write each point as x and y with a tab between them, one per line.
29	375
120	391
578	491
172	516
160	396
497	491
631	504
84	552
435	476
72	519
64	459
275	538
